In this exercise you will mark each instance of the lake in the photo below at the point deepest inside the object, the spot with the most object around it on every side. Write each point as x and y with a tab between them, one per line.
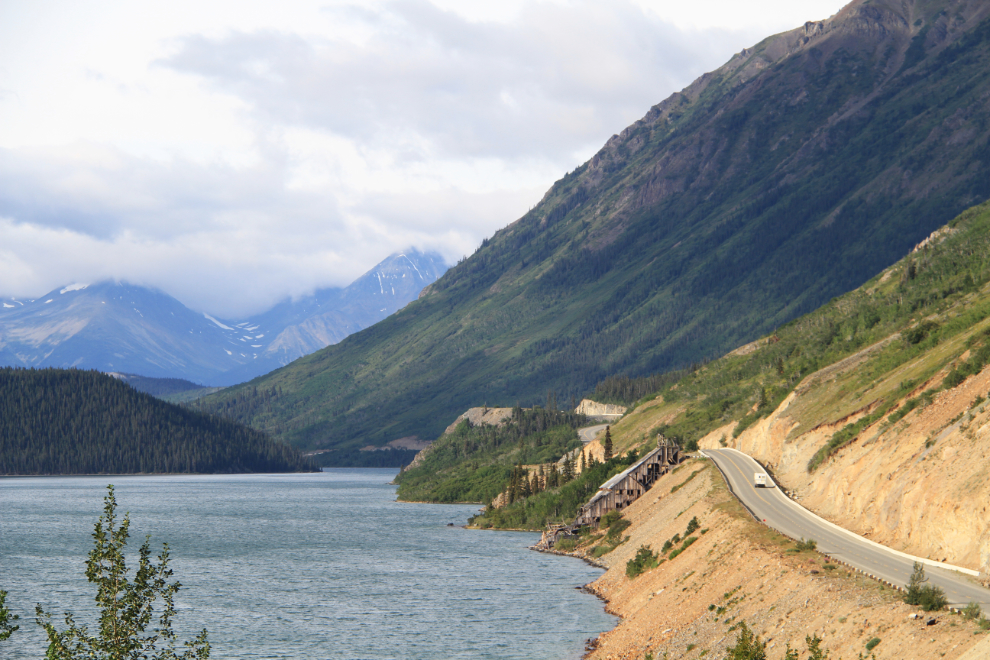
322	565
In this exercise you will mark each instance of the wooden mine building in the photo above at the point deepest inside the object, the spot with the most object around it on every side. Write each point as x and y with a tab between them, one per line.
621	490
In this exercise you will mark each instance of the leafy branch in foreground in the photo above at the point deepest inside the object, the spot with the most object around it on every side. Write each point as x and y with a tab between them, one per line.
126	605
7	628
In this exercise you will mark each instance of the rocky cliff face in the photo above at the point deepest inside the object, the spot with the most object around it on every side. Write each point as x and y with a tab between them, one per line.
595	409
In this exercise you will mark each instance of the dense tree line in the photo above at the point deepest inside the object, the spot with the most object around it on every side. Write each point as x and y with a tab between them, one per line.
623	389
476	463
58	421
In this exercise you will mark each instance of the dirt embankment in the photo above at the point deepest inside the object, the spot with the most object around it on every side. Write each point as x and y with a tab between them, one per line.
920	485
738	570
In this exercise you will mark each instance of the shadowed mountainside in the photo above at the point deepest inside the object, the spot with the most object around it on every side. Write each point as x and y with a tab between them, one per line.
790	175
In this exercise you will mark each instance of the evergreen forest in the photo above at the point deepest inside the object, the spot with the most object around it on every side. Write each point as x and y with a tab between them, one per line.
68	421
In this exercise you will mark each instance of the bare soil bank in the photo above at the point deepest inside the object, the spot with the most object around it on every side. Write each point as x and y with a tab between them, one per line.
739	570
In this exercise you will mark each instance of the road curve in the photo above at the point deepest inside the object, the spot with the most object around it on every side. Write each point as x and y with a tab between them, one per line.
589	433
788	517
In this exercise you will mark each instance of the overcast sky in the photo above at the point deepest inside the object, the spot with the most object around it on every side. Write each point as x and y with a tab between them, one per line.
234	152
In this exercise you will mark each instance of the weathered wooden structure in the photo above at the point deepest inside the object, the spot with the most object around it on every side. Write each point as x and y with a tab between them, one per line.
621	490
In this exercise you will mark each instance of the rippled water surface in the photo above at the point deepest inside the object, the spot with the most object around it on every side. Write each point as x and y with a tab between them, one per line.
303	566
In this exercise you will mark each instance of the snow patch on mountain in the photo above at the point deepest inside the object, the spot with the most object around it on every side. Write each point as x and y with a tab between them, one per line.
225	327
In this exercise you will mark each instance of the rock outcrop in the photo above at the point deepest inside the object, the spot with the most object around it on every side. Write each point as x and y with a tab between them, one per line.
595	409
478	416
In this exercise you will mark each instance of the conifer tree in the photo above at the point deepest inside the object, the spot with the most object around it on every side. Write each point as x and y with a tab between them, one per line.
608	444
748	646
584	464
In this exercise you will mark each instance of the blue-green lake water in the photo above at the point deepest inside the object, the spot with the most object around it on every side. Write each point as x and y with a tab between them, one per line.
302	566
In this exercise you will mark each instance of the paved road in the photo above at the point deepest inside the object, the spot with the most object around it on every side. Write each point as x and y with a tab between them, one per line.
790	518
589	433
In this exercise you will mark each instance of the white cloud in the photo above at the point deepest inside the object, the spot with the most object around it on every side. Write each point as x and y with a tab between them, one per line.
236	152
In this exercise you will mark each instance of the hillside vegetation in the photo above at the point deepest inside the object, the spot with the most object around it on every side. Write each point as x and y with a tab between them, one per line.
519	462
872	408
790	175
66	421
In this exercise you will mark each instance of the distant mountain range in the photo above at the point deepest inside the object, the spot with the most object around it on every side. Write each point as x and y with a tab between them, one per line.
789	176
125	328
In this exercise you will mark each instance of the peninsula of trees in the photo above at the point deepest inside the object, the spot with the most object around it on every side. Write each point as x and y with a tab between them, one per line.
68	421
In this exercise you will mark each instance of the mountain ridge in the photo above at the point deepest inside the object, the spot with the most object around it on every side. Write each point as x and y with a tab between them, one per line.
789	176
115	326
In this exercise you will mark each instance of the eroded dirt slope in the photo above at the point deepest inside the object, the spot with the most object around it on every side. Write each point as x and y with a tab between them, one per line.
738	570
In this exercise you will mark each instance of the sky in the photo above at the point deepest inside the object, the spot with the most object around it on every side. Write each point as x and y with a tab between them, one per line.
234	153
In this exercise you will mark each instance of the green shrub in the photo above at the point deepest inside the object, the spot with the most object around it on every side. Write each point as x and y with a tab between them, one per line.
644	560
872	644
972	611
602	550
933	598
692	526
927	596
684	546
565	545
810	544
616	528
748	646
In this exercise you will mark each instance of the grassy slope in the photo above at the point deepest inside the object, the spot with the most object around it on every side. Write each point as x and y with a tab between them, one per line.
898	329
727	211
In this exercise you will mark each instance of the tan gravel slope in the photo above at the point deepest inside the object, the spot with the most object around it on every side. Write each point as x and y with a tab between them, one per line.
738	570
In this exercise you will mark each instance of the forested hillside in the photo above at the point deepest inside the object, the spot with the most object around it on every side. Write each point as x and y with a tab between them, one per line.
868	358
58	421
791	175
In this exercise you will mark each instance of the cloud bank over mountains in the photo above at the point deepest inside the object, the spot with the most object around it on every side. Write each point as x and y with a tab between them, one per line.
236	154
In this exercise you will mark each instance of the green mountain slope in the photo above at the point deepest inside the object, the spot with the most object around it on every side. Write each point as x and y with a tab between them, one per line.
872	354
861	357
66	421
794	173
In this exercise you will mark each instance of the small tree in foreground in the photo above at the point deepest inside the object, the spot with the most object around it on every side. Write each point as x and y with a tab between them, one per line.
748	646
7	626
126	605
